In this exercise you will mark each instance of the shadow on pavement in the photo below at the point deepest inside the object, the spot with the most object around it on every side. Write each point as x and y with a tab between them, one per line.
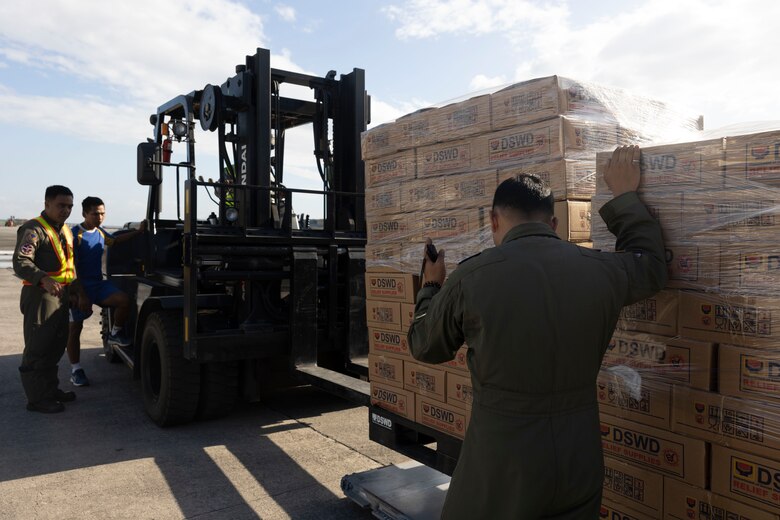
261	457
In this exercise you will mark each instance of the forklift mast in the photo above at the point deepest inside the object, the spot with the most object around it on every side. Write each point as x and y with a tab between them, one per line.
251	282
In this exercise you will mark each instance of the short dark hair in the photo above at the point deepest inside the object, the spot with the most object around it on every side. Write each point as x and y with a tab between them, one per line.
52	192
91	202
526	194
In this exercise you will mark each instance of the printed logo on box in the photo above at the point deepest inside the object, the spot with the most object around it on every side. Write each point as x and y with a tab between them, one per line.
450	158
762	160
642	448
669	168
755	480
442	416
463	118
760	375
518	146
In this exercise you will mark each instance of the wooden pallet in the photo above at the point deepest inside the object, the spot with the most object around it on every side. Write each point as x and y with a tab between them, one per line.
414	440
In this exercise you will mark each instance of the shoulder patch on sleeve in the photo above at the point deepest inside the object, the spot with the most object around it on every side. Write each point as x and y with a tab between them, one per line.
29	241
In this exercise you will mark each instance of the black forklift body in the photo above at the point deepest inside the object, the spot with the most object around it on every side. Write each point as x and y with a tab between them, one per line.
253	281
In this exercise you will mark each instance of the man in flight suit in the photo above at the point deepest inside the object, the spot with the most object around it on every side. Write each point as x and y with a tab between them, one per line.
43	259
537	314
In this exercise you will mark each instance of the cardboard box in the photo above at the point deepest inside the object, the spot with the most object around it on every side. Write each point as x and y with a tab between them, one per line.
407	316
749	373
650	404
656	315
549	140
753	158
691	165
612	510
384	257
723	318
388	229
668	209
471	190
573	220
382	200
693	266
383	315
460	391
386	369
655	449
526	102
568	179
425	380
750	268
640	489
397	167
750	426
424	194
751	479
388	343
543	98
442	417
401	287
447	123
439	224
748	213
685	502
393	399
459	363
381	140
673	360
448	158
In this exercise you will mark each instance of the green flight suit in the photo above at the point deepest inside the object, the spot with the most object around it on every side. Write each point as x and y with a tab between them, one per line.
45	316
537	314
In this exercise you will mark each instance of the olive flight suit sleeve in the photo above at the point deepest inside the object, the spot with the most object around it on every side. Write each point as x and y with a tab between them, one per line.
639	246
28	240
436	332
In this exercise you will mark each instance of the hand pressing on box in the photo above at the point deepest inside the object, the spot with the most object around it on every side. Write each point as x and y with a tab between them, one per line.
622	171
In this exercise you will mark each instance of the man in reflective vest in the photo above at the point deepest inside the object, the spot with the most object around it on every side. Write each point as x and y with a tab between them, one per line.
43	259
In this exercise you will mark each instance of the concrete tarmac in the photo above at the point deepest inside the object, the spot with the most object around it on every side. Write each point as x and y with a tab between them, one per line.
104	458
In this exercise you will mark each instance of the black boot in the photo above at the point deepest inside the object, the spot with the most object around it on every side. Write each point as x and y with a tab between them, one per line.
65	397
46	406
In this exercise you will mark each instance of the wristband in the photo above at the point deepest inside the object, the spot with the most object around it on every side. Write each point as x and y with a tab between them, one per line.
432	284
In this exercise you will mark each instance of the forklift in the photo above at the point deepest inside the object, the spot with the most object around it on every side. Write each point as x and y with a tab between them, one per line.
251	295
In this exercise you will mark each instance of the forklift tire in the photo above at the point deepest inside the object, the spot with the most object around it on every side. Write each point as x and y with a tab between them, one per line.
105	329
169	382
218	389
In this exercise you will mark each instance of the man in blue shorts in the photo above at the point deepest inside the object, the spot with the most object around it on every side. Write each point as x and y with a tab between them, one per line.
89	242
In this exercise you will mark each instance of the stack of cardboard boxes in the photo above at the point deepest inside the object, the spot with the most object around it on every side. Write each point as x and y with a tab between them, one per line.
690	392
433	173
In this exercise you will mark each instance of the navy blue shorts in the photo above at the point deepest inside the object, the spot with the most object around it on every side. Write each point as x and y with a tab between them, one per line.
97	291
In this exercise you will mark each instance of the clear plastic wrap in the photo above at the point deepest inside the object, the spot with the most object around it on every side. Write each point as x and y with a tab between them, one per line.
433	173
693	371
717	203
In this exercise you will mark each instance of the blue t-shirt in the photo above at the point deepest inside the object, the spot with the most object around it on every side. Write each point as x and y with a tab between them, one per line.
88	247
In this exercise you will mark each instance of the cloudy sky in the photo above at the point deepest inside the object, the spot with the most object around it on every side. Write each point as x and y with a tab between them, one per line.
78	79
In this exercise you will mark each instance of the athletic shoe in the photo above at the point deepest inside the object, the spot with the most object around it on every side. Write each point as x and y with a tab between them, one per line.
46	406
67	397
119	339
78	378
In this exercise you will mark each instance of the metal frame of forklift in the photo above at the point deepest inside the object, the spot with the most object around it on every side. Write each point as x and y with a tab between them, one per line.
248	282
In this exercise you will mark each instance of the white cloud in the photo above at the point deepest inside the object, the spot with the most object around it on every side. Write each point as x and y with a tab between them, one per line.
427	18
122	46
482	82
285	12
88	119
715	57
